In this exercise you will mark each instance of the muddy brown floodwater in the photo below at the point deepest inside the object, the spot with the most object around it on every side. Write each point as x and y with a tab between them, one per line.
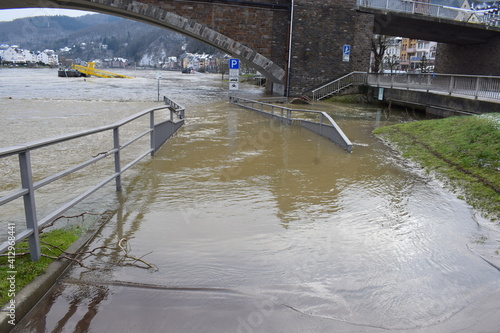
254	226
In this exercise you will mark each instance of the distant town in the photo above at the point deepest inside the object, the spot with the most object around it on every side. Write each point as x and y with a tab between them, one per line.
399	54
13	55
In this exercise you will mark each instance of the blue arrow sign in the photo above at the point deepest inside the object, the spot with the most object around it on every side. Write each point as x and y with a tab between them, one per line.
234	63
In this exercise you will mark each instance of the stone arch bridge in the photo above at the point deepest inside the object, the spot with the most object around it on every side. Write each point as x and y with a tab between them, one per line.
296	44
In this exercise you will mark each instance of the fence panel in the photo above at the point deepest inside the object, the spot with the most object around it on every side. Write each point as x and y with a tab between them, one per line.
158	132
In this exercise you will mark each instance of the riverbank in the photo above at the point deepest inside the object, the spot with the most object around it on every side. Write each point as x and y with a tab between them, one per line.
55	245
463	152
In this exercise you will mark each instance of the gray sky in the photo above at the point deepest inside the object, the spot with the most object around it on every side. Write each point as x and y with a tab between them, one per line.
12	14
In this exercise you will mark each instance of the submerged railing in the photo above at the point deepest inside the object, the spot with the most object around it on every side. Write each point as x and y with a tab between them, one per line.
158	131
316	121
438	11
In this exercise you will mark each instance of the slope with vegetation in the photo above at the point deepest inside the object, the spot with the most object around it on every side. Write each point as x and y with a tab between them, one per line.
463	151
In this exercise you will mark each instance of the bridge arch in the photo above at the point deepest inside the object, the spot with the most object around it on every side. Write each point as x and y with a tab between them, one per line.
152	13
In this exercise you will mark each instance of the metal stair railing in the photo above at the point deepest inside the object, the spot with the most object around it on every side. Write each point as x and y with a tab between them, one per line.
334	87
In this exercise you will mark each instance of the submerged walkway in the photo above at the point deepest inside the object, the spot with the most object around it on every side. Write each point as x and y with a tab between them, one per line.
260	227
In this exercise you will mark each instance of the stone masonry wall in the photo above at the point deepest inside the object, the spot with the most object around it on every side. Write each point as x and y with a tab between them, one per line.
320	30
476	59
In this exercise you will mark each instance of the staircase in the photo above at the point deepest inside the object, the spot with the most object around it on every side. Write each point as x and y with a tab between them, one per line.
336	86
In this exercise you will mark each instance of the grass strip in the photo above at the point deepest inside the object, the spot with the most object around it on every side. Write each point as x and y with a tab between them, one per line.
28	270
462	151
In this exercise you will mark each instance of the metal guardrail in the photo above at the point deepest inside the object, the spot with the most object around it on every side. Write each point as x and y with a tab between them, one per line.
458	85
316	121
424	8
159	132
461	85
336	86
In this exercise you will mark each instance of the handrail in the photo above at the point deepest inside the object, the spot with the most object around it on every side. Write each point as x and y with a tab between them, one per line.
66	137
326	126
438	11
337	85
477	86
459	85
159	132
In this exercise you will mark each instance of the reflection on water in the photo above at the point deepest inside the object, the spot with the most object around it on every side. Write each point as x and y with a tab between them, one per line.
238	205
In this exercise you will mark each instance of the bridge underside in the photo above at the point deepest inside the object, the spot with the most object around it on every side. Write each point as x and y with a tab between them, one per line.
429	28
464	48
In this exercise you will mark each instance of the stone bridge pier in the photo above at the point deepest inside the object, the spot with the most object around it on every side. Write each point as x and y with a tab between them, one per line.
320	29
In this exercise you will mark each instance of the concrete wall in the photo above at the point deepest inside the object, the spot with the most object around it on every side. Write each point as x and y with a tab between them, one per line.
436	104
473	59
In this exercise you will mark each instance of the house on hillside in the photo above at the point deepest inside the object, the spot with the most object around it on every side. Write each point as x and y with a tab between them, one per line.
29	57
13	54
48	57
115	62
171	63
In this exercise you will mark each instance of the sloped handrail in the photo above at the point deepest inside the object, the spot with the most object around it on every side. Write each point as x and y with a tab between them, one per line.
337	85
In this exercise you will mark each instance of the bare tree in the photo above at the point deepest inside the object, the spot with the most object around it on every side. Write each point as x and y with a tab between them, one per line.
392	62
379	46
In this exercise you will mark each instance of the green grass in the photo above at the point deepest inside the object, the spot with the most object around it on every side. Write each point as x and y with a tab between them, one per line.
463	151
28	270
348	99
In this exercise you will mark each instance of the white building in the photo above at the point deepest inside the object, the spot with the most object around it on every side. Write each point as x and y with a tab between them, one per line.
13	54
29	57
48	57
17	55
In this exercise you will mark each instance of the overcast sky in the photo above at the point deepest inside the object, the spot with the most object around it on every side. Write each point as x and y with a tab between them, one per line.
12	14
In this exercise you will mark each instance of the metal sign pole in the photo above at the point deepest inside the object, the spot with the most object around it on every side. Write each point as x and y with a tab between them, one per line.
234	72
158	77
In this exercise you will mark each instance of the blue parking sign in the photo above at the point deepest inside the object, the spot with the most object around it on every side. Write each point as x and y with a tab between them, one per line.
234	63
347	49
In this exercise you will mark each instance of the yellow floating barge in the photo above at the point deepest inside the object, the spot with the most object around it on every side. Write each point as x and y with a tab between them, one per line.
91	70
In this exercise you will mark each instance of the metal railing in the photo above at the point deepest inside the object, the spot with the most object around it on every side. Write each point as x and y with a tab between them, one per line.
424	8
159	132
316	121
458	85
336	86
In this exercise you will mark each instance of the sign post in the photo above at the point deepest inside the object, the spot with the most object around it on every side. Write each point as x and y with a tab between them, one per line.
234	72
158	77
346	53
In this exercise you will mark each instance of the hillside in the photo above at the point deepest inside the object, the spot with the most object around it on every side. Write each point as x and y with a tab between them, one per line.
97	36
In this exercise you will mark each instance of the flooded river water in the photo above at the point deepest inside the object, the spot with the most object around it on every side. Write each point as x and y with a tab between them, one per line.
254	226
